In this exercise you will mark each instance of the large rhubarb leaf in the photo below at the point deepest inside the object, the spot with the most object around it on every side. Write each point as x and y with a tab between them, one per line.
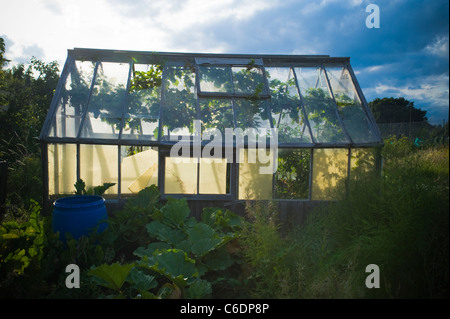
111	276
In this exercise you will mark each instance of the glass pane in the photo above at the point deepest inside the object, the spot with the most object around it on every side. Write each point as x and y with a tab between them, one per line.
292	176
329	173
214	175
252	114
142	117
180	176
103	118
248	80
287	114
73	100
253	184
139	168
215	79
98	165
216	114
62	168
179	109
350	107
319	106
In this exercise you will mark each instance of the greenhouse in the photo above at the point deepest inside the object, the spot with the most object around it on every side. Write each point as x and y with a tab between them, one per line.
213	128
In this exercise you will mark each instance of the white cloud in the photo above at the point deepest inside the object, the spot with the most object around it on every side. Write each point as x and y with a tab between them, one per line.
432	90
439	46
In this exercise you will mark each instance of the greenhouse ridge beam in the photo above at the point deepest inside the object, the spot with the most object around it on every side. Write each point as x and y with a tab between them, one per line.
158	57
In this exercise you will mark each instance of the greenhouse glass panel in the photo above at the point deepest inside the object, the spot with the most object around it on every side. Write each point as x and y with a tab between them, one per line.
139	168
252	114
104	113
248	80
180	175
319	106
62	161
143	105
216	114
99	165
179	101
253	184
73	100
329	171
293	174
287	113
350	107
363	162
215	79
214	176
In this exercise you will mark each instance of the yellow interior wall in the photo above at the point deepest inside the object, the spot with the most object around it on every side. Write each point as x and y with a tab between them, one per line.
329	169
62	168
98	165
253	184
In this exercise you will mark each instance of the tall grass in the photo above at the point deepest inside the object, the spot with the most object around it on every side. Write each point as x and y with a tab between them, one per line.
398	221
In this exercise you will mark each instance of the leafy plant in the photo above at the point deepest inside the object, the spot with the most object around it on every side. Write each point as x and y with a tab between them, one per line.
80	188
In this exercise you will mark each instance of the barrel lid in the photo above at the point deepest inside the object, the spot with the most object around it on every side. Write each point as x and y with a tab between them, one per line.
79	201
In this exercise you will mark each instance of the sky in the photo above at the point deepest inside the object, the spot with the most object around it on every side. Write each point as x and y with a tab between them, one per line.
407	55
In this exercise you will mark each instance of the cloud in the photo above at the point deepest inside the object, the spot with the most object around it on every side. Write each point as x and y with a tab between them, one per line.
33	50
439	47
53	5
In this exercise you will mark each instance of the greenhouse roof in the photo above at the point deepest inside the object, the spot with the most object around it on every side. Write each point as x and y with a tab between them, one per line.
153	98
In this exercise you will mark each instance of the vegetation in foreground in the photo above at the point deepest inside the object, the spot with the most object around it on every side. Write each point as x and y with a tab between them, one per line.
398	221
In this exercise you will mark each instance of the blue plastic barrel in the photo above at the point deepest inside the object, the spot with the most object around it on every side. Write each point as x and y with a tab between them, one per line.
79	215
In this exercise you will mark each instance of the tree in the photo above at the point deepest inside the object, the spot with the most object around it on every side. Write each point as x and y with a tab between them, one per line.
396	110
25	97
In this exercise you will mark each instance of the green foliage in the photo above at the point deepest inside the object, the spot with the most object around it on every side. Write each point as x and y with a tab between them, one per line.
186	251
395	110
265	251
80	188
292	176
21	244
175	256
398	220
111	276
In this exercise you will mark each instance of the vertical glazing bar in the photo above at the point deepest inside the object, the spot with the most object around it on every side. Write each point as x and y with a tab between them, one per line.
162	101
302	106
83	116
330	90
161	170
78	162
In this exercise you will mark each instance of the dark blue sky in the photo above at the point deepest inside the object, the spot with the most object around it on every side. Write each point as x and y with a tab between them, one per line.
407	56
